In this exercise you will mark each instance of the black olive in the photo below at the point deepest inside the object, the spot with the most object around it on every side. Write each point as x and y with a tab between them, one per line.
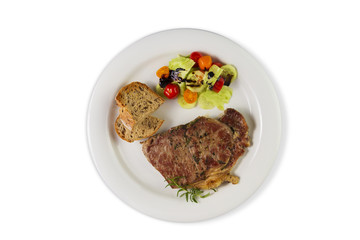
210	75
228	79
164	81
179	69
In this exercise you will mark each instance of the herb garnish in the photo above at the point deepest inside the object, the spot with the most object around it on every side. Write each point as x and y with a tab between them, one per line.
191	194
187	141
196	159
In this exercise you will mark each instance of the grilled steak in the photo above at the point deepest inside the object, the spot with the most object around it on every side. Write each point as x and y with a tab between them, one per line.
201	152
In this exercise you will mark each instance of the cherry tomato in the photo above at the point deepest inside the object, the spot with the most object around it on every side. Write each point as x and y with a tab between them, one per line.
205	62
171	91
195	56
189	96
218	64
218	85
163	72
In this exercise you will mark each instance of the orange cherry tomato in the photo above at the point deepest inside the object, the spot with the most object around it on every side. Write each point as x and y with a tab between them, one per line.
205	62
163	72
189	96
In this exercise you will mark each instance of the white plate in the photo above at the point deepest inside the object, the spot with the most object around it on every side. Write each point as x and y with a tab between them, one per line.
123	166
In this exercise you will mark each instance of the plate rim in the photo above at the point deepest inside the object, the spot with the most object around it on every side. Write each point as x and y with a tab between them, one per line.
269	81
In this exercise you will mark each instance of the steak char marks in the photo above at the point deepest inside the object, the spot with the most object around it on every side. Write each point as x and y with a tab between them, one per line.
201	152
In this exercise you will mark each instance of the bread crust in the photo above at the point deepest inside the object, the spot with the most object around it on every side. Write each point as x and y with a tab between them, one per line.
126	118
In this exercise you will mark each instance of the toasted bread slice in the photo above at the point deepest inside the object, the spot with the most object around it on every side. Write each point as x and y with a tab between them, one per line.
136	101
143	129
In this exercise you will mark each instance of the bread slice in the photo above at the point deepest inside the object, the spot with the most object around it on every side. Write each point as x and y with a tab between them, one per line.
143	129
136	101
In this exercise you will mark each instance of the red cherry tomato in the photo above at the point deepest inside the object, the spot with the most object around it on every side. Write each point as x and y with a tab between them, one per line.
171	91
218	85
218	64
195	56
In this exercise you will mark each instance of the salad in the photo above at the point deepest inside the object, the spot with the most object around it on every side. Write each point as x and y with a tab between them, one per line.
196	79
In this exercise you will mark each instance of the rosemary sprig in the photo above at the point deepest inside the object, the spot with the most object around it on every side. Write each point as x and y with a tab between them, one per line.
191	194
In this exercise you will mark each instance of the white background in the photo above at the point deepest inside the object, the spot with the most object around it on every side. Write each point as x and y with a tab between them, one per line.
51	54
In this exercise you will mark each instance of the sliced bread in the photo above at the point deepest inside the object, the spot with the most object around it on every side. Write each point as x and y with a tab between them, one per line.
136	101
143	129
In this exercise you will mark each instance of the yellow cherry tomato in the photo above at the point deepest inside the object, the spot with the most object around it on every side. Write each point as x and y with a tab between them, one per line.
163	72
189	96
205	62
